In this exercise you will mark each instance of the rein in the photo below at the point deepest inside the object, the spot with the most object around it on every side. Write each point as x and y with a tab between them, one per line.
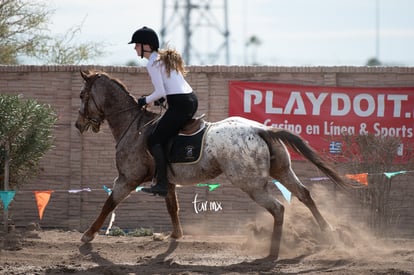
139	130
127	129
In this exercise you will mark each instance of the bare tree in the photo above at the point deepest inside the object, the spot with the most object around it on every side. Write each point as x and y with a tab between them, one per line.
57	51
22	28
375	155
24	32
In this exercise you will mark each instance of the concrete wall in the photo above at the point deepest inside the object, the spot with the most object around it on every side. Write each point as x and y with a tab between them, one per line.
87	161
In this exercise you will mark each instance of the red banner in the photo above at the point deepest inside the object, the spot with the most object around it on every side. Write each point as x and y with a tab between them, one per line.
319	114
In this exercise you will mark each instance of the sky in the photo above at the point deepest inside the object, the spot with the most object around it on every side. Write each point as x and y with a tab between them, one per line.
291	32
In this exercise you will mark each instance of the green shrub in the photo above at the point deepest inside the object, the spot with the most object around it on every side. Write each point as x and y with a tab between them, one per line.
116	231
141	232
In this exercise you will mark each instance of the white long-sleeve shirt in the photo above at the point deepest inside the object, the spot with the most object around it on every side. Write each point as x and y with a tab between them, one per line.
163	84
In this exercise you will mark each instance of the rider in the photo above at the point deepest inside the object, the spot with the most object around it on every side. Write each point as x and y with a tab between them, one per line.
166	69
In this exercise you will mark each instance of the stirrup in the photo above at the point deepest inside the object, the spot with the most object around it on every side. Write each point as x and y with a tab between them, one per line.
156	190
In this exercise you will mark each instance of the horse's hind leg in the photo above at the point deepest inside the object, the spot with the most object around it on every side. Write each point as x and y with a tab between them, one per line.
293	184
173	209
276	209
119	193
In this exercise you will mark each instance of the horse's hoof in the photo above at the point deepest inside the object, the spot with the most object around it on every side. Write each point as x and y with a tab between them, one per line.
271	257
86	238
328	228
176	235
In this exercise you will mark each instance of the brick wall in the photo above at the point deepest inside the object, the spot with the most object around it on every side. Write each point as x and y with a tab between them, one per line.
87	161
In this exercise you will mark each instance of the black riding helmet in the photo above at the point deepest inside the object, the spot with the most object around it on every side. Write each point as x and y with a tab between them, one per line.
148	36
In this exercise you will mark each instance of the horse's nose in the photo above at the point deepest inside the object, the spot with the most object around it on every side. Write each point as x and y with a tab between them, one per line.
79	126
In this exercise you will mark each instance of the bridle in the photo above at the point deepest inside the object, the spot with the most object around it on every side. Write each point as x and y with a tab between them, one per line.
86	95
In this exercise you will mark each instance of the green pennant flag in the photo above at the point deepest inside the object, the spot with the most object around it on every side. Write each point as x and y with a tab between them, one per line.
211	186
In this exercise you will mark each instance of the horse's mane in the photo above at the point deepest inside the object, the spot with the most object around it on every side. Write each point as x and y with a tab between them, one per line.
113	79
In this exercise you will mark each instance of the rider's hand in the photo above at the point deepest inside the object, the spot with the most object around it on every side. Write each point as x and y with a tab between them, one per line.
159	102
141	102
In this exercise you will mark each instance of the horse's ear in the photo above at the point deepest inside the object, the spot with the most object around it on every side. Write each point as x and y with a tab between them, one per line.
84	74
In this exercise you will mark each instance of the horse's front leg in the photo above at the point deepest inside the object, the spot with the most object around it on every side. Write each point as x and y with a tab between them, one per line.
173	209
118	194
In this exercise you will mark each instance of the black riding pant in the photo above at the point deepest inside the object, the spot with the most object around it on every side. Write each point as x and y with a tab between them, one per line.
181	108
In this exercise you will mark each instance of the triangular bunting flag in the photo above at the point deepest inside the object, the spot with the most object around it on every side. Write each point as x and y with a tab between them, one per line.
73	191
361	178
6	197
286	193
391	174
211	186
42	199
319	178
107	189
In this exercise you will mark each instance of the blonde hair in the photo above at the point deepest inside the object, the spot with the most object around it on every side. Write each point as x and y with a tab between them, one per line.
172	61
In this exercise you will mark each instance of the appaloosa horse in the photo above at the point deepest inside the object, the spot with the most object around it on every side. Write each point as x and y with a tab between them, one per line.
247	152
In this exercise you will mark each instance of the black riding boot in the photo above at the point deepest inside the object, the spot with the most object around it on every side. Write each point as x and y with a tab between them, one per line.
161	187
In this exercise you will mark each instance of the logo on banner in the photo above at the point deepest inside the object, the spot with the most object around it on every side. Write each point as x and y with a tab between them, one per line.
335	147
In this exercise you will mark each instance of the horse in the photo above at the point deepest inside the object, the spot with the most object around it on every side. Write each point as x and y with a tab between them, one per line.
247	152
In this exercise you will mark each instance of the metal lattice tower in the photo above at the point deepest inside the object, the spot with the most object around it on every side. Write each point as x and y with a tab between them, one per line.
205	37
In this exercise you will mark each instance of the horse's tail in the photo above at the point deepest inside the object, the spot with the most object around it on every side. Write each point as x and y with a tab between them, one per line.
300	146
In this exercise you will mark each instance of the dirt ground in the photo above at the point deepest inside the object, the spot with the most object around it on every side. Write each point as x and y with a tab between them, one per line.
305	250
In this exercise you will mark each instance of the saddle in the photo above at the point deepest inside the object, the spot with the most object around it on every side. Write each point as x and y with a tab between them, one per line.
187	146
192	126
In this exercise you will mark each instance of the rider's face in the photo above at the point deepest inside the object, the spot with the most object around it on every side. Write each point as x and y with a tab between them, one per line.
138	48
147	50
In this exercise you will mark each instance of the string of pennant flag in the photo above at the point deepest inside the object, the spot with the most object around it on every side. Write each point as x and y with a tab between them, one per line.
42	197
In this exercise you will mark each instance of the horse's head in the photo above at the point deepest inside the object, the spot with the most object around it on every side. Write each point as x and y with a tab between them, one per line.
90	116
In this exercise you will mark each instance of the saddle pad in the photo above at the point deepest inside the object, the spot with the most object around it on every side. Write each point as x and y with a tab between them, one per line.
186	149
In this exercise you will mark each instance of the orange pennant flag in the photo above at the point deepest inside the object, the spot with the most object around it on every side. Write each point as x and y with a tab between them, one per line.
42	199
361	178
